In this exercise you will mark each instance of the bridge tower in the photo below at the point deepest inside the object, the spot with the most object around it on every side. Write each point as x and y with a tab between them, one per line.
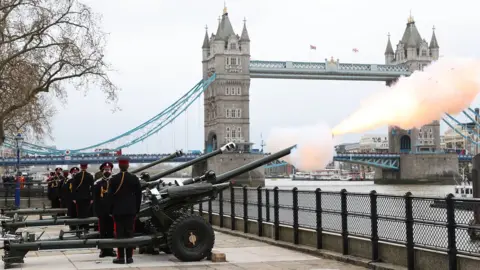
226	101
416	53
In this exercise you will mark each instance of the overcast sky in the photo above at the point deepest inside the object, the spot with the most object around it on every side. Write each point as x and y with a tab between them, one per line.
155	47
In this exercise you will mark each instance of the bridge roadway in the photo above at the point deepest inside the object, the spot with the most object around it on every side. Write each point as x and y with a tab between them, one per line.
240	253
328	70
389	161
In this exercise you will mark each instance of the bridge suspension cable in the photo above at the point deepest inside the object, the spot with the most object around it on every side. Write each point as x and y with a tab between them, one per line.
151	126
470	131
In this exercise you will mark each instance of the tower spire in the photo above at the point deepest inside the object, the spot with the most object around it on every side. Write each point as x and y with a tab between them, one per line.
206	43
244	36
225	11
389	49
433	41
410	18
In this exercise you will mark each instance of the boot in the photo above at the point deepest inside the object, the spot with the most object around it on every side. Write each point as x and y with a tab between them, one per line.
119	261
129	260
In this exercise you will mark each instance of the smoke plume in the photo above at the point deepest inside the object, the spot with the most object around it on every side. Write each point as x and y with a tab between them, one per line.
445	86
314	145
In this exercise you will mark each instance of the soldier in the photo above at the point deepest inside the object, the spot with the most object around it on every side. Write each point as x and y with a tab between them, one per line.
67	195
82	185
99	174
101	205
126	195
53	189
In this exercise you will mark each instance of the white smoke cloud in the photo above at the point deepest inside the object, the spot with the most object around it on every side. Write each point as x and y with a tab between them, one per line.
315	145
445	86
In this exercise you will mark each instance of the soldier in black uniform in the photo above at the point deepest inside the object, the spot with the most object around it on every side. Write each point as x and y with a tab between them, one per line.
101	203
126	195
53	189
82	185
67	195
99	174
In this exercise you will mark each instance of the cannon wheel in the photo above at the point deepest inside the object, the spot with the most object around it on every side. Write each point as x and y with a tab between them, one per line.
190	238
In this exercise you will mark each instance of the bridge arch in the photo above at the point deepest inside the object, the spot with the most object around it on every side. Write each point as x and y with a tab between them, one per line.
212	142
405	143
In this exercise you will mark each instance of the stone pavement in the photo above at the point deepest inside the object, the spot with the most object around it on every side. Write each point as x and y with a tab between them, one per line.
240	253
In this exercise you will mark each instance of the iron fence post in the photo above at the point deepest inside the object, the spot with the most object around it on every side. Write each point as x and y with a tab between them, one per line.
259	214
276	214
200	208
29	189
267	205
220	208
232	208
318	211
374	224
344	215
295	215
245	209
451	227
409	231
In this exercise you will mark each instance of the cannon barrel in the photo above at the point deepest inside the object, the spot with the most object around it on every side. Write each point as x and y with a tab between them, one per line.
48	222
34	211
218	180
227	147
165	159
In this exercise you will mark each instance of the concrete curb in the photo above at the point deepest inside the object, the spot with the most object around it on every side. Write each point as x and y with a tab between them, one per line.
313	251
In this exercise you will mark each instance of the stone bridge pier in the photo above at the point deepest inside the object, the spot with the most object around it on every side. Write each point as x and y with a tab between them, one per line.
440	169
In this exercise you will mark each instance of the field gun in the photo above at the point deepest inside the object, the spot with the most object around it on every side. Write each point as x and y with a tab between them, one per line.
188	237
162	160
10	226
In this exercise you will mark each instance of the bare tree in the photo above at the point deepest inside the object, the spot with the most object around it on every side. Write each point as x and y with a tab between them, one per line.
44	46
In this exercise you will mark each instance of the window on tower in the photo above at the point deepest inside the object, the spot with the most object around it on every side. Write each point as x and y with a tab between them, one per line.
239	91
233	61
229	133
239	132
233	46
227	91
234	113
234	134
227	113
239	113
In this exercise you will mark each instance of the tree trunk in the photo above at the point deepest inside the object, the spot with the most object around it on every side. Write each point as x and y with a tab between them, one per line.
2	131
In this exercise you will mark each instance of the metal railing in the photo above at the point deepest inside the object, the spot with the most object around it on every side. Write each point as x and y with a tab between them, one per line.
437	224
30	192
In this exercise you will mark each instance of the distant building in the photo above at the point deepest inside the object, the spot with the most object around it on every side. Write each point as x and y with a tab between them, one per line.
374	143
7	152
347	148
456	142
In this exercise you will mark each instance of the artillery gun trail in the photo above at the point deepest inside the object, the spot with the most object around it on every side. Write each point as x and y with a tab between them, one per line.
188	237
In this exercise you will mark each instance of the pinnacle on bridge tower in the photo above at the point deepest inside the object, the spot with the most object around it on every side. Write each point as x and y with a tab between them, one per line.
226	101
415	52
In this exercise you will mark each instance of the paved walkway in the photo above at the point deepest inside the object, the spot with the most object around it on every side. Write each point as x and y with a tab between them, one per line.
240	253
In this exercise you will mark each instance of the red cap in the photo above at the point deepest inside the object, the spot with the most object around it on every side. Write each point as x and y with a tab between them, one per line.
123	160
65	173
83	166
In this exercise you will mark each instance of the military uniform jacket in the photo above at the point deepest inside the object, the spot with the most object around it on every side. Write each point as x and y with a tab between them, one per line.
125	194
82	185
98	175
53	188
101	200
66	191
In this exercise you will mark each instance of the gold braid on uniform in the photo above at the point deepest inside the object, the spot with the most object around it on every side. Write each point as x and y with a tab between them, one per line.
121	183
81	180
104	190
70	186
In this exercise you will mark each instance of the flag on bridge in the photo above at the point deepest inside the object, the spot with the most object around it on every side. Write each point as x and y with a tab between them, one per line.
313	47
355	50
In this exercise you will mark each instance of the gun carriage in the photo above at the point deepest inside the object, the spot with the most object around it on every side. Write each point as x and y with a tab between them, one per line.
165	226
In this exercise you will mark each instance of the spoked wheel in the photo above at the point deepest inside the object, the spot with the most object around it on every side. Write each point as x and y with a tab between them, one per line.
190	238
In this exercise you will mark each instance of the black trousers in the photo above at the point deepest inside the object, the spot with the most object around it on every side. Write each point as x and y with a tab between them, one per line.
83	210
124	227
105	227
55	203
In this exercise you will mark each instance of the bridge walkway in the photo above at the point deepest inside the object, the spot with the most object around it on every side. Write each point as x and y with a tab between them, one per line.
240	253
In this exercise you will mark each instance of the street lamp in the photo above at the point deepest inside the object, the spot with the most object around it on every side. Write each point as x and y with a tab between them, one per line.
19	140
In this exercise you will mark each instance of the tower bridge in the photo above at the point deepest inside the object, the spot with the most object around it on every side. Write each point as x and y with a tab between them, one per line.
226	74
